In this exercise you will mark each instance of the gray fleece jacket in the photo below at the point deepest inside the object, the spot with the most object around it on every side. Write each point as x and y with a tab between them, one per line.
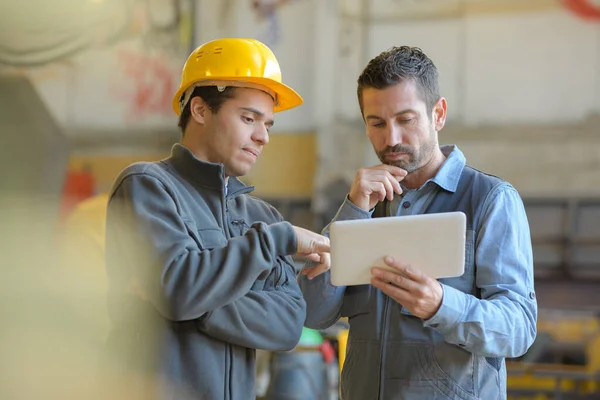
199	277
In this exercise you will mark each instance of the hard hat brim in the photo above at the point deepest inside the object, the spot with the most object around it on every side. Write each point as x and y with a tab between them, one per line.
287	98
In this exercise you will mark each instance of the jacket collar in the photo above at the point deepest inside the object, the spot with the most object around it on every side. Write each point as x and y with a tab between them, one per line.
203	173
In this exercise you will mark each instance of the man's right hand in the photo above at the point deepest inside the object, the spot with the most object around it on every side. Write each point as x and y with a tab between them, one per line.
311	245
310	242
374	184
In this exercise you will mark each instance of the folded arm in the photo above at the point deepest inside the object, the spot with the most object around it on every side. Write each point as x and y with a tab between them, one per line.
268	319
147	236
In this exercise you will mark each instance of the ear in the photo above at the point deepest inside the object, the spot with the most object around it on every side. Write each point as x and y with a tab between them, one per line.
198	109
439	114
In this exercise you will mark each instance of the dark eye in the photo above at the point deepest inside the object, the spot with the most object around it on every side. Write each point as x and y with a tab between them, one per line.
247	120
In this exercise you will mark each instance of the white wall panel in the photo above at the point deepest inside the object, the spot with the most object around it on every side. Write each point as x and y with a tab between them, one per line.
529	68
441	40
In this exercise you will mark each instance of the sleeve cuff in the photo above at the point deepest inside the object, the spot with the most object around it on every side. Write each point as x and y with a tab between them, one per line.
284	238
454	304
349	211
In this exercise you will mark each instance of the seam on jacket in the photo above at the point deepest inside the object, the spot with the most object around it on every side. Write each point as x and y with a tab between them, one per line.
172	171
270	207
145	172
487	202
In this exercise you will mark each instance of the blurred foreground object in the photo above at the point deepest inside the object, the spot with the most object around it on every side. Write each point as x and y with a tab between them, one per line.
33	150
51	305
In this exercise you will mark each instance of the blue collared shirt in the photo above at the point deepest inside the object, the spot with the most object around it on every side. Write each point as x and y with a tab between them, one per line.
501	321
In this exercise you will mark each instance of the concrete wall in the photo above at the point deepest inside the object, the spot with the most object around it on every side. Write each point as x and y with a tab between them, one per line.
506	66
501	62
522	80
539	160
101	66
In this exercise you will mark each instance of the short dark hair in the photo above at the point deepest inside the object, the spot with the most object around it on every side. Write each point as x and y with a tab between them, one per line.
399	64
211	96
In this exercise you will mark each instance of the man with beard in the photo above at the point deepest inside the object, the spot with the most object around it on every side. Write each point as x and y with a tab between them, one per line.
412	336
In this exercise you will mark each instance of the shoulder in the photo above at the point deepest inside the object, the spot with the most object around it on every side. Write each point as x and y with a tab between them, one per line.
490	185
150	173
490	179
266	211
499	195
491	193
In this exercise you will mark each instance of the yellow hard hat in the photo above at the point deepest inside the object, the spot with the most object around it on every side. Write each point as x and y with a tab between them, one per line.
235	62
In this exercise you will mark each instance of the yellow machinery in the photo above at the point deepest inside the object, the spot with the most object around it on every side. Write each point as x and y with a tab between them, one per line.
342	338
545	375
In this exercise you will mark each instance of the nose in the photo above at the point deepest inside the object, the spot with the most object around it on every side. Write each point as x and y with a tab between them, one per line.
261	135
393	136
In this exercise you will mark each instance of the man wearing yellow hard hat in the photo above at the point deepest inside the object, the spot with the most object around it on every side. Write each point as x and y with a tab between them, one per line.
200	273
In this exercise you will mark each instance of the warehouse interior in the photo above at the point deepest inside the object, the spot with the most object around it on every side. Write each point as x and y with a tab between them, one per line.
86	89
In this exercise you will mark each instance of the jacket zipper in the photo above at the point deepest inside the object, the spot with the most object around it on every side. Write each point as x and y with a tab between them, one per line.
383	342
384	332
228	350
240	223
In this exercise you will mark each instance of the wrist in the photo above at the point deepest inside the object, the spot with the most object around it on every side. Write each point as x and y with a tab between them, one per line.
357	203
439	298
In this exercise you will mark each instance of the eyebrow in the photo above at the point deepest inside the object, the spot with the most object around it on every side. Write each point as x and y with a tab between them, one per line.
257	113
407	111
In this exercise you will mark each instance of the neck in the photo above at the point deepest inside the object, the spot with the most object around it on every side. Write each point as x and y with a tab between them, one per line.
190	140
417	178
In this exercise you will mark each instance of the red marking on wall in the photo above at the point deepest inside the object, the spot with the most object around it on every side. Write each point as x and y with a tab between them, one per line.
585	9
147	84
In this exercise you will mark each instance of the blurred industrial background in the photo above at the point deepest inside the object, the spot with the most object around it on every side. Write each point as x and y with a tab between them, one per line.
85	90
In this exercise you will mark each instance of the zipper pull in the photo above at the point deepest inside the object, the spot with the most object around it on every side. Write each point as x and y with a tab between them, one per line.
239	222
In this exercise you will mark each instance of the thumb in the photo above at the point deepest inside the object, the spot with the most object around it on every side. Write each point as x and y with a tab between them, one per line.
315	257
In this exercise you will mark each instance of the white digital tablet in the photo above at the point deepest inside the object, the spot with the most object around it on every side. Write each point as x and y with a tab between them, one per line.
433	243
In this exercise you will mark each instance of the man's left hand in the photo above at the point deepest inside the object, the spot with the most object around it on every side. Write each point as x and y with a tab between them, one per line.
415	291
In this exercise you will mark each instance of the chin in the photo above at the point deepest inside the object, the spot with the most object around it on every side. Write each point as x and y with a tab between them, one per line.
399	164
237	172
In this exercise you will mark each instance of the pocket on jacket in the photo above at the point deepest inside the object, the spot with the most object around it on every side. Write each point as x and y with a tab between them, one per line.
446	361
405	389
211	238
412	368
206	238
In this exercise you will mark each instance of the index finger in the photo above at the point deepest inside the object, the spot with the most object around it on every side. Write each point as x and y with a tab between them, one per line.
406	269
321	247
396	171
